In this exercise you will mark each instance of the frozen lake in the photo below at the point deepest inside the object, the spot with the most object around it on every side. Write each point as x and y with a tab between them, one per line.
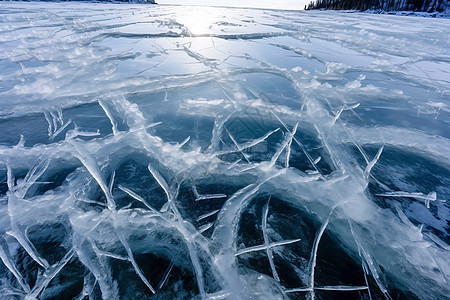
174	152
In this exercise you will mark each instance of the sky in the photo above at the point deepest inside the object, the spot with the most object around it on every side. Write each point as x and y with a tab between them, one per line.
275	4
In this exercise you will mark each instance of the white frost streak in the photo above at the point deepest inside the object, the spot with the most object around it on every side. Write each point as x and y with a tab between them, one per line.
16	194
49	274
371	164
136	196
312	261
266	242
90	164
199	197
266	246
161	181
420	196
110	116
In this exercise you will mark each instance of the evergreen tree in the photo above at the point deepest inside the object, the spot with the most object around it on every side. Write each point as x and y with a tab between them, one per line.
384	5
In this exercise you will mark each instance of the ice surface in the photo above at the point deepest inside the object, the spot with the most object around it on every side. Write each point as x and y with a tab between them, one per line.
217	153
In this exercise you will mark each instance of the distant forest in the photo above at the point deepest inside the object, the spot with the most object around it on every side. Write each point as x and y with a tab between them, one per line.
383	5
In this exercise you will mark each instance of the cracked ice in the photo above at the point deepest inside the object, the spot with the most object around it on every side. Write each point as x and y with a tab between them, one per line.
219	153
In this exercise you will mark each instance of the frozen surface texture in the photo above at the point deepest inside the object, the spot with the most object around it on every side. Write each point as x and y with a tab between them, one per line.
211	153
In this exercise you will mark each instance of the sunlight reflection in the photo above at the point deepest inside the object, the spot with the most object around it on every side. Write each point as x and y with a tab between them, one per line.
199	20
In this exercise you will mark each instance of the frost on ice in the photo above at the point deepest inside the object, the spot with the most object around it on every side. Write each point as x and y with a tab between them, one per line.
213	153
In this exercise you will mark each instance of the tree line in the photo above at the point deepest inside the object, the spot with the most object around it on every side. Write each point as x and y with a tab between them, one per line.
384	5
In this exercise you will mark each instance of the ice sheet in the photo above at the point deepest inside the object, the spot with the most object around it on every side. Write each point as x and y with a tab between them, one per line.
140	145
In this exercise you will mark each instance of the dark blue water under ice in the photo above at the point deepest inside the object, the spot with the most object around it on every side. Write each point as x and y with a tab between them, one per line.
173	152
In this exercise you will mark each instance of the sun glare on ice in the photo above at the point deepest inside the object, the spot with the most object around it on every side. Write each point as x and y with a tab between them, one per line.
199	20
